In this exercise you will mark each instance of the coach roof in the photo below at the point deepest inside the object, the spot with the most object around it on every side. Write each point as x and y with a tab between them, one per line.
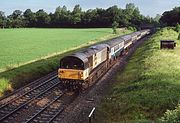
114	41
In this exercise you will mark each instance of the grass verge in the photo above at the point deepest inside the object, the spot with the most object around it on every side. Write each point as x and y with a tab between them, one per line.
18	76
147	87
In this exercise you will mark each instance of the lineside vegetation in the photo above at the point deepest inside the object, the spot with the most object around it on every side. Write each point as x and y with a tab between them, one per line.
147	87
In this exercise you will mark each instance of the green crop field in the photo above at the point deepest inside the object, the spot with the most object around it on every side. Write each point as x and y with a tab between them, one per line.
19	46
147	87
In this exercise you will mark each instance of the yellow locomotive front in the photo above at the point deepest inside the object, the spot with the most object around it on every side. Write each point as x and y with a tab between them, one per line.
73	70
70	74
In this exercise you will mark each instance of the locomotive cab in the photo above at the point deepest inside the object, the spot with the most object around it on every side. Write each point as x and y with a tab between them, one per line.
72	67
71	63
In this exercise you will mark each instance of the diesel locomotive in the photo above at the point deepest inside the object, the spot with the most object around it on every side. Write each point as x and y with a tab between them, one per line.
81	69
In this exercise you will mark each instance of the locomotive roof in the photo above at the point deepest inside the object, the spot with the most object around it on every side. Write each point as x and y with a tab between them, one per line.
126	37
80	56
138	32
99	47
84	54
135	33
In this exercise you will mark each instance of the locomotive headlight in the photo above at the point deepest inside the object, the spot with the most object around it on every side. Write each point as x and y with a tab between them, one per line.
81	75
61	71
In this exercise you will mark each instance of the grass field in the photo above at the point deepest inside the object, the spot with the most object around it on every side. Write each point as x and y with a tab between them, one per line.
147	87
23	45
27	54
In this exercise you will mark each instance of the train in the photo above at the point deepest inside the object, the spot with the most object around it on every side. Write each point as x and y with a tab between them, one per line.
82	69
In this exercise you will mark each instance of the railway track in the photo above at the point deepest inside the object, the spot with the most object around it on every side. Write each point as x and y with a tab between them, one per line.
47	113
50	112
20	102
25	89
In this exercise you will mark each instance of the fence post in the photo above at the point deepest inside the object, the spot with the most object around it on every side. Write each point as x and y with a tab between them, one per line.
91	114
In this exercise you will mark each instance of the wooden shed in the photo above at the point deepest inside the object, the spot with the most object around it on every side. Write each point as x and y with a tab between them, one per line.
167	44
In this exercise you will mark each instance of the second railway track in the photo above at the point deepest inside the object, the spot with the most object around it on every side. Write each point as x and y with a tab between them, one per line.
25	89
18	103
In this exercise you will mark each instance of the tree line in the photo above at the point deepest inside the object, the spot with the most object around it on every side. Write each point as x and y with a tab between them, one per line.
62	17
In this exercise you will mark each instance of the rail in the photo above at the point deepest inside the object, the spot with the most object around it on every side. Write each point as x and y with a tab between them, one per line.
50	75
45	108
3	105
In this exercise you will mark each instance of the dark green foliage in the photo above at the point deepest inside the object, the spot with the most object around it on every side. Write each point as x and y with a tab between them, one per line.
2	19
43	18
177	29
76	14
132	28
62	17
114	27
29	18
171	18
15	20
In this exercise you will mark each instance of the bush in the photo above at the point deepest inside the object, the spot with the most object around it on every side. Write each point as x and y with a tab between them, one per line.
177	29
171	116
132	28
114	27
179	37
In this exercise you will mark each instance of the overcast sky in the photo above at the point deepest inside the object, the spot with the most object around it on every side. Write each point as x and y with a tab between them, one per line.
146	7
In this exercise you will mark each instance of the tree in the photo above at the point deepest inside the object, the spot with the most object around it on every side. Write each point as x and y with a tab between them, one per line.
171	18
113	14
16	19
157	18
42	18
177	28
16	14
76	14
61	17
29	18
130	16
114	26
2	19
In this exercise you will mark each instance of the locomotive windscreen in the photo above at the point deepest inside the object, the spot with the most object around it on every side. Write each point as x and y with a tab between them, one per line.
71	63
